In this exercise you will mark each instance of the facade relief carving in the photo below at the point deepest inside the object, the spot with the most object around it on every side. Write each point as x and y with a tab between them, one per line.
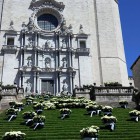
38	4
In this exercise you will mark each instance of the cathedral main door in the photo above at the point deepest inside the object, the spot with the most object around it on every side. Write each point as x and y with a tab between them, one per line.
47	86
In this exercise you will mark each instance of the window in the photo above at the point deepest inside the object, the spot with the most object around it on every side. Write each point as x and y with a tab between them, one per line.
10	41
47	22
82	44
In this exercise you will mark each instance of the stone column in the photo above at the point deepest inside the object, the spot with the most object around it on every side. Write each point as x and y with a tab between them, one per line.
23	81
35	58
21	59
37	84
34	82
70	82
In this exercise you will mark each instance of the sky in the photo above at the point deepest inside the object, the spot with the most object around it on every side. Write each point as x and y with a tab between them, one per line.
130	21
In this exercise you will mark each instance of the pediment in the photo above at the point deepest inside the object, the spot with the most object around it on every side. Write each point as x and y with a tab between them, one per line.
37	4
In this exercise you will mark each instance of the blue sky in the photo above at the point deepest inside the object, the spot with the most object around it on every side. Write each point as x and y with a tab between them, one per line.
130	20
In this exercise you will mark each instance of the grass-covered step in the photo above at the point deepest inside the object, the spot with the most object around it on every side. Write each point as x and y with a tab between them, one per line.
68	129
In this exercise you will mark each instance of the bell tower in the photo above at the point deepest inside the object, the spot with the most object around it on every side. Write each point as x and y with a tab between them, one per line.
1	9
110	42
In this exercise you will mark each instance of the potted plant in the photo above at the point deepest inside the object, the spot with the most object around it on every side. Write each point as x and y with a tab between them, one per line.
90	133
14	135
11	113
49	106
107	110
65	112
135	115
18	106
93	109
109	121
29	117
38	121
12	104
39	108
123	103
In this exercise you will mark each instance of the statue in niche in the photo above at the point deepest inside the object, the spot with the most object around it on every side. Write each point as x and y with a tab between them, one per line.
64	62
28	87
47	44
29	61
65	86
70	28
11	25
30	43
23	26
47	63
64	43
81	29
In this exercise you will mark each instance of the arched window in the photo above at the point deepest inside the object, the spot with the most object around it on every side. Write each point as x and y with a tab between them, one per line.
47	62
47	22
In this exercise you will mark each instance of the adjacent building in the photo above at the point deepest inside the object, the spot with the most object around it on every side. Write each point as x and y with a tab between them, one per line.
136	72
53	45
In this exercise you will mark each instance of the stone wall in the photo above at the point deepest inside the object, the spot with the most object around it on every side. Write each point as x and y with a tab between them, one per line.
136	73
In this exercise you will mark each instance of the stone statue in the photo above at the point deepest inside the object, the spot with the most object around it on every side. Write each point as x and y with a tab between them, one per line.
47	44
64	62
28	87
29	63
65	87
47	63
81	29
63	43
11	25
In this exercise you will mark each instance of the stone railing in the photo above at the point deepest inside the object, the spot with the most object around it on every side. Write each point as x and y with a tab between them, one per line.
113	90
106	94
82	50
9	48
10	94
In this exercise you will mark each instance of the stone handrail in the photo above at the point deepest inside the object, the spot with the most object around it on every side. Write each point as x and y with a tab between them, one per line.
113	90
109	90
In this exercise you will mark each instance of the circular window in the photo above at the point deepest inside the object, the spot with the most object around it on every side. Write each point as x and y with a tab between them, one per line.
47	22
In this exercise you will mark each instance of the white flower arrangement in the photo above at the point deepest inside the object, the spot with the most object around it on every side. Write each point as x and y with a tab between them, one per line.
11	111
14	135
91	107
89	132
49	105
109	119
107	109
39	119
12	103
134	113
65	111
38	106
123	102
29	114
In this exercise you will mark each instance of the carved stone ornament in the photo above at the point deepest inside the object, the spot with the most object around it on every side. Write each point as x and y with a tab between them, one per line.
65	30
38	4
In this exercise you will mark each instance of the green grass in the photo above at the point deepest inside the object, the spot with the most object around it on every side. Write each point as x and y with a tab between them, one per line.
68	129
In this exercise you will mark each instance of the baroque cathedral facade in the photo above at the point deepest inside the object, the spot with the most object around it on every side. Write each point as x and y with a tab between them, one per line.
53	45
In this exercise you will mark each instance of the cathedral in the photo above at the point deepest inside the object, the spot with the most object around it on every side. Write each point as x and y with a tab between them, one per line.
53	45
